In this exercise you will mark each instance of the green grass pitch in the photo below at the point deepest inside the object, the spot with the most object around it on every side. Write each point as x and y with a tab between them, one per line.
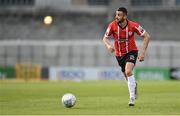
93	98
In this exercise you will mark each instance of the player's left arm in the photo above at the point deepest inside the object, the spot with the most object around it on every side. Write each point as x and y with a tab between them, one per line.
141	56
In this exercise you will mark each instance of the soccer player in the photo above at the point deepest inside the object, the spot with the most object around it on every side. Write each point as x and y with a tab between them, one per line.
125	48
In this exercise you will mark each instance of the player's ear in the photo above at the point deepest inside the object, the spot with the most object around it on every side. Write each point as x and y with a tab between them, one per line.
125	16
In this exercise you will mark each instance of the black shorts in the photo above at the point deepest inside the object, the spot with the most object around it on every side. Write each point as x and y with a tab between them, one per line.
129	57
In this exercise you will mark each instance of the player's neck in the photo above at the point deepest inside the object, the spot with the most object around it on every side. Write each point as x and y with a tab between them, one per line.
123	24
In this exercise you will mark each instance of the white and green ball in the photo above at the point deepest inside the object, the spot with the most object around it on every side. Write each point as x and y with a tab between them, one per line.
68	100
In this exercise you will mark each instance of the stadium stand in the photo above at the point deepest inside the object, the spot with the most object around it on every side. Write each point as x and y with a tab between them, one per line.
82	25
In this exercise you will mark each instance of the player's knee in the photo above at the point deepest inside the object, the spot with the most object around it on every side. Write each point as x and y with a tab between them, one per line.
128	73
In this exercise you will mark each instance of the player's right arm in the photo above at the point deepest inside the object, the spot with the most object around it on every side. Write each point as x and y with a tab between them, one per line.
108	45
106	39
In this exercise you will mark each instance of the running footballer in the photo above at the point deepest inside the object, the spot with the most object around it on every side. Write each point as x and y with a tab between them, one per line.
125	48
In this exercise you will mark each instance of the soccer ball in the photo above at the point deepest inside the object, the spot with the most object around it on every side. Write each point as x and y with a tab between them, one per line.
68	100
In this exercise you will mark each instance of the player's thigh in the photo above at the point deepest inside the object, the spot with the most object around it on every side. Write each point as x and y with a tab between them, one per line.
130	62
129	68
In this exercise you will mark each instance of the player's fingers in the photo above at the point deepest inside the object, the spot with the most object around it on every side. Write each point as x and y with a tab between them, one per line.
138	58
141	60
111	50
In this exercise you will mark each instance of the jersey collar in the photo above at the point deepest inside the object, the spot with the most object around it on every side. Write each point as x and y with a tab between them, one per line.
124	26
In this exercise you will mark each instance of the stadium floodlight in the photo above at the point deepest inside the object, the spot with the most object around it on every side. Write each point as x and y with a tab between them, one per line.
48	20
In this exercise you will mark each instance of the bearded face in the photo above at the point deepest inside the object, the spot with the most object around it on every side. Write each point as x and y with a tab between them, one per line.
120	17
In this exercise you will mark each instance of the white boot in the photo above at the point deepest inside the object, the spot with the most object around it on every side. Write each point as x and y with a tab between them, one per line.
131	87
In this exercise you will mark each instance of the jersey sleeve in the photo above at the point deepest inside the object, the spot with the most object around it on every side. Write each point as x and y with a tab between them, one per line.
109	30
139	30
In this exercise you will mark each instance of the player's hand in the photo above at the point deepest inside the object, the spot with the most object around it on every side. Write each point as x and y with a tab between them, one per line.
111	49
141	57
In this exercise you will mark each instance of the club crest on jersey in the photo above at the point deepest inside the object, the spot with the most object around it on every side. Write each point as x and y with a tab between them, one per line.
130	33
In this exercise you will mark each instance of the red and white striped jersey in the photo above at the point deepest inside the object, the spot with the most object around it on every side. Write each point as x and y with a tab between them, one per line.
124	40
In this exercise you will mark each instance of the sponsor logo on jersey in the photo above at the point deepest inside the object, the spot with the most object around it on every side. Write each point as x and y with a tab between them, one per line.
123	40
